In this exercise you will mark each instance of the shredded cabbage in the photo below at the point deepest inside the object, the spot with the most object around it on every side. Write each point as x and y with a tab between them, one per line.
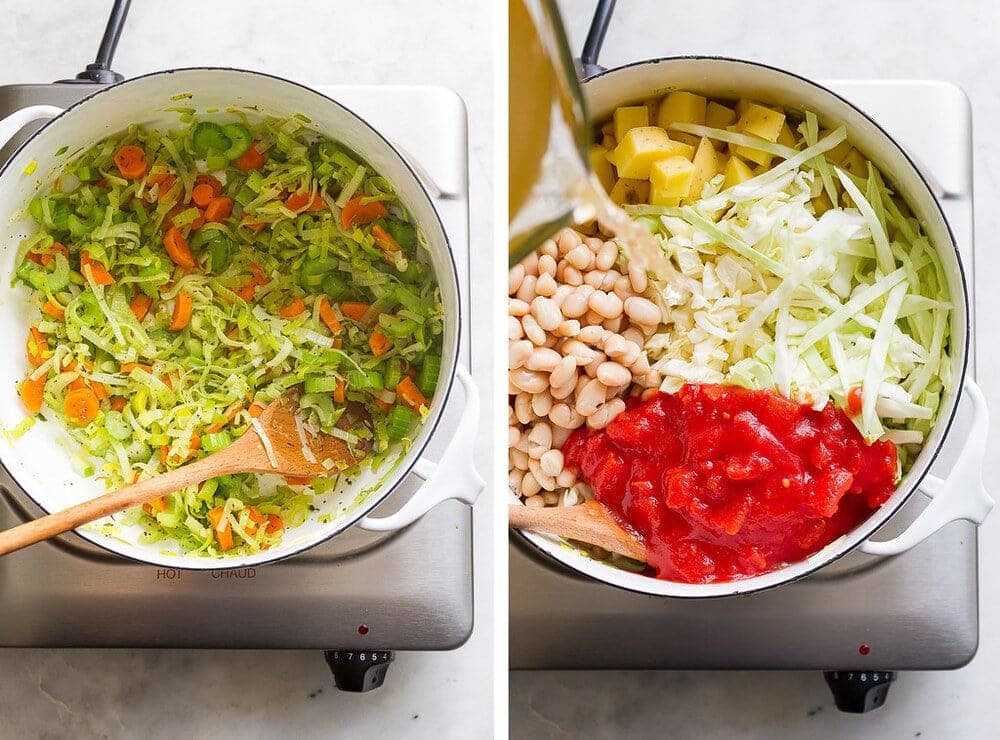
779	289
305	272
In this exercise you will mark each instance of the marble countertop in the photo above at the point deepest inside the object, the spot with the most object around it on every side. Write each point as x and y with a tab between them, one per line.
848	40
219	694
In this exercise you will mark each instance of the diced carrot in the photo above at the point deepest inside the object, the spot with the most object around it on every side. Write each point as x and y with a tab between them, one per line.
259	276
202	194
131	162
356	213
383	405
31	393
38	348
294	480
293	309
167	381
47	258
251	159
68	364
195	443
212	181
255	515
81	406
98	272
118	403
99	390
328	316
338	342
384	238
246	292
164	453
221	528
183	306
274	524
302	200
178	249
255	226
77	384
854	401
218	209
53	309
128	367
157	504
354	311
140	305
408	393
198	222
255	410
165	180
340	392
379	343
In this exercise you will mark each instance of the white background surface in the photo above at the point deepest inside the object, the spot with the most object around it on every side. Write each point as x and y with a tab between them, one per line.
148	693
954	41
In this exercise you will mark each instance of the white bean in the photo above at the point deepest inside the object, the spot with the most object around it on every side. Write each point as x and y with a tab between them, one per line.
526	292
548	249
530	264
611	373
546	265
615	345
568	328
518	353
605	413
584	355
565	416
593	334
592	396
564	371
640	366
547	482
567	239
529	381
562	292
514	278
559	436
623	288
637	276
546	285
532	330
544	359
572	276
607	305
565	479
529	487
546	313
539	440
517	307
581	258
514	477
560	392
608	284
514	329
519	458
522	409
594	279
541	404
513	436
575	304
633	335
537	501
642	311
551	498
606	256
592	317
614	324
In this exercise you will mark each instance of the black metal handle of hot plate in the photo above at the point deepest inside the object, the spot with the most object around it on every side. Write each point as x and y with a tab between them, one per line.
858	692
358	670
100	72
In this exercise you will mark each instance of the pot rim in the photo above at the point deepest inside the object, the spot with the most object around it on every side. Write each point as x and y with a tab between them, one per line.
878	518
410	458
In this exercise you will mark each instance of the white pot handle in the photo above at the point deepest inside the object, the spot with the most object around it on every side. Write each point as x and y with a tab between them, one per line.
961	495
453	477
21	118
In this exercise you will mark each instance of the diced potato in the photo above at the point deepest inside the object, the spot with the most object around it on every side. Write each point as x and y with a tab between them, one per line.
681	107
821	203
628	192
670	180
641	147
719	116
855	163
785	136
706	165
839	152
628	117
741	106
736	172
599	163
758	120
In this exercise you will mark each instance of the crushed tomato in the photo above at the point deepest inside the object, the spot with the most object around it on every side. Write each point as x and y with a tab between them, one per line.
724	483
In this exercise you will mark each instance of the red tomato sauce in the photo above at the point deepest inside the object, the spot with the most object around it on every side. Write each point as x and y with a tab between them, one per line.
724	483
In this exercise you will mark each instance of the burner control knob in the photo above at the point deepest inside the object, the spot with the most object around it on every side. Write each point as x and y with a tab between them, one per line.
859	691
358	670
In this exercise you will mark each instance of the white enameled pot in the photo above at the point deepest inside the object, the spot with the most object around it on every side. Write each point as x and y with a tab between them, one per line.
39	462
961	495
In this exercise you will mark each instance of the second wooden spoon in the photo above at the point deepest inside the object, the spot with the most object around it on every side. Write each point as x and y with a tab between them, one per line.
587	522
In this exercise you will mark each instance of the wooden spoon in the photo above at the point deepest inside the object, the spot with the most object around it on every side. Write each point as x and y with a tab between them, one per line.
587	522
246	455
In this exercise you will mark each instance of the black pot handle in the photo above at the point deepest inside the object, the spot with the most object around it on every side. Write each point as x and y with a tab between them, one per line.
595	38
